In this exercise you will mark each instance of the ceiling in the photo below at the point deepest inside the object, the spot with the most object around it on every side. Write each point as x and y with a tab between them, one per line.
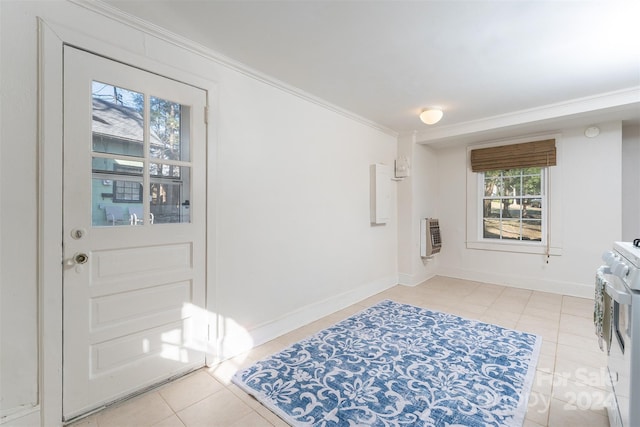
493	66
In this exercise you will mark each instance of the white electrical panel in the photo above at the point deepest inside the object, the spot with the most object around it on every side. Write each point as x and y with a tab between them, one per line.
380	193
430	240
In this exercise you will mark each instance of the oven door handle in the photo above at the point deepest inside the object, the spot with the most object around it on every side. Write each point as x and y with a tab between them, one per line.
618	295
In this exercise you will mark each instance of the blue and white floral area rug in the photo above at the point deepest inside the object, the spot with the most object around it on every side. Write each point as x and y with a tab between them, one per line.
399	365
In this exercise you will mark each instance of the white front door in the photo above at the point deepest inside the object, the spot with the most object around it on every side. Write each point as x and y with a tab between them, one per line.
134	230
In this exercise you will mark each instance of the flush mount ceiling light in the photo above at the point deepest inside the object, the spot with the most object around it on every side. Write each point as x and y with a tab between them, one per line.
431	115
592	132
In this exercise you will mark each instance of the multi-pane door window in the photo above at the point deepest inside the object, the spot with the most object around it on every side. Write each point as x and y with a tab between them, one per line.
513	204
141	161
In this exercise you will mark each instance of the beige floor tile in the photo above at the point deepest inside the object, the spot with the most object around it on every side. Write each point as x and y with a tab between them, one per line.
548	333
542	313
546	363
578	325
252	419
224	371
220	409
262	351
543	383
594	359
523	294
578	342
257	406
529	423
482	298
433	306
544	321
145	410
563	414
538	408
581	396
172	421
582	307
546	299
548	348
445	298
189	390
467	311
579	372
505	319
452	285
508	304
490	287
373	300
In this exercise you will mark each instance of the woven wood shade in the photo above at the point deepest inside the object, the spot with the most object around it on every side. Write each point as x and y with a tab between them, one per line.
527	155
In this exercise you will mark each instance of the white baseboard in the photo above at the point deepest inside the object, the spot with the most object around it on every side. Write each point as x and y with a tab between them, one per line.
582	290
21	417
414	280
233	345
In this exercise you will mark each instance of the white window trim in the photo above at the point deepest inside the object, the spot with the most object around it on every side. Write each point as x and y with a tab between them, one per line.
551	222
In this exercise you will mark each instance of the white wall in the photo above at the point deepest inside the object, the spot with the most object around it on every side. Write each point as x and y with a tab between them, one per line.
417	199
18	219
587	182
293	208
630	182
292	233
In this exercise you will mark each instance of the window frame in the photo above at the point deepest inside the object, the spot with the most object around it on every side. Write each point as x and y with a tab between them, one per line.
543	215
552	234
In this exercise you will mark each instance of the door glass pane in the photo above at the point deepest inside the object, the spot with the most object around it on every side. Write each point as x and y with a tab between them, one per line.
170	197
165	171
115	200
116	190
168	139
116	166
117	120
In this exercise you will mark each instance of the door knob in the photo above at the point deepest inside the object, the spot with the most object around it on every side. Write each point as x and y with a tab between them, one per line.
81	258
76	261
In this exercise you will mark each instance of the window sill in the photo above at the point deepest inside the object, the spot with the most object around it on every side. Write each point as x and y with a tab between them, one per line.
524	248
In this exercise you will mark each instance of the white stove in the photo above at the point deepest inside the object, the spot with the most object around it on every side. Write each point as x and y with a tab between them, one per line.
622	276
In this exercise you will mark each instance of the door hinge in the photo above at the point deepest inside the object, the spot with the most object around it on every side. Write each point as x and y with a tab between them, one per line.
206	115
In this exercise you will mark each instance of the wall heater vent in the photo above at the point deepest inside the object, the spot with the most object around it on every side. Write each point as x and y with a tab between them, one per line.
430	241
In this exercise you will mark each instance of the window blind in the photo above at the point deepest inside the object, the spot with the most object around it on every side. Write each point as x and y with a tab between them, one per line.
514	156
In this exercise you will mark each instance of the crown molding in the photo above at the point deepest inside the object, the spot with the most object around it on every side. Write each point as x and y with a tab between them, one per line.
165	35
615	101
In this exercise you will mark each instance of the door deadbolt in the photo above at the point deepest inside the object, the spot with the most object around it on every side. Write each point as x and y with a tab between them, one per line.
81	258
78	233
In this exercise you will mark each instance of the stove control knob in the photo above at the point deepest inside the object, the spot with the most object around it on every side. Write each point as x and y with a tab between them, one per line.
608	257
620	269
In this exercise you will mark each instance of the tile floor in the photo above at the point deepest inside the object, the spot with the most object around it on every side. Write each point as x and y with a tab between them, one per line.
569	388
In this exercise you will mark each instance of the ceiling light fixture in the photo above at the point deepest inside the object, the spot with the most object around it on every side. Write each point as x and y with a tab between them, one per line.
431	115
592	131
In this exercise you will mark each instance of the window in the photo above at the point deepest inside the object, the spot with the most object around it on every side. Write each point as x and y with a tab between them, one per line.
513	204
127	192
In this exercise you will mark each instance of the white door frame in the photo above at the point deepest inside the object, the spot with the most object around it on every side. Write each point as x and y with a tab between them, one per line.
52	38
